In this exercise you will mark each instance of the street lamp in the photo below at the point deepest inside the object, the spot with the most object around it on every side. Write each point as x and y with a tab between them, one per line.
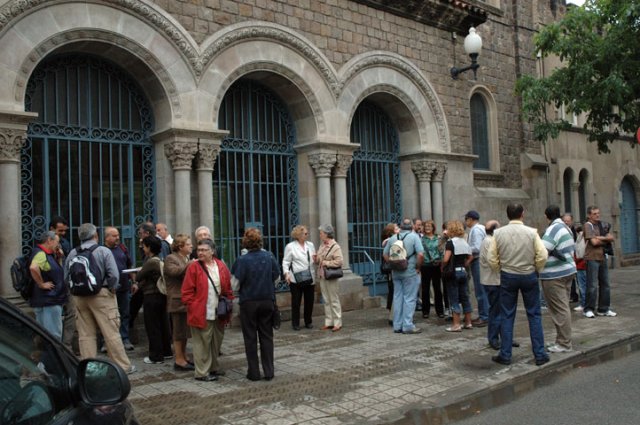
473	46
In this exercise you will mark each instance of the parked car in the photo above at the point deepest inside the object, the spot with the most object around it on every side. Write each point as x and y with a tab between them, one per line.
43	383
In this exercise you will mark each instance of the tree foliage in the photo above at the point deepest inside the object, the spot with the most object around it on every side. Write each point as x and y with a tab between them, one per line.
599	46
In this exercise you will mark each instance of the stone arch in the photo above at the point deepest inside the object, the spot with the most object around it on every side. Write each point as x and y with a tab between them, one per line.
568	179
283	60
151	55
421	119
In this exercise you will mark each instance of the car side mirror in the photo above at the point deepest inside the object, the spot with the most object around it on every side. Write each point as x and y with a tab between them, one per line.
102	382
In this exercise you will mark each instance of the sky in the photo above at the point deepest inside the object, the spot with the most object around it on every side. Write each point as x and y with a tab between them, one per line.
578	2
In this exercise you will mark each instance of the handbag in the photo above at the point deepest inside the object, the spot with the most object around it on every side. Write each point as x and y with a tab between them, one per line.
225	305
161	284
303	277
331	273
276	318
449	270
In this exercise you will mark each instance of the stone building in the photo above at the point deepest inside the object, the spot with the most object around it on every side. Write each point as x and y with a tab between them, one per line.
270	113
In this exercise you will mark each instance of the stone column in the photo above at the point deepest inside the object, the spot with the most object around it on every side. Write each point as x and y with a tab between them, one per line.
13	130
180	154
343	162
440	168
205	162
322	163
423	171
575	201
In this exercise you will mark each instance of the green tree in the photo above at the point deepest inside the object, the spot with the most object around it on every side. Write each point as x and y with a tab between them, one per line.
599	47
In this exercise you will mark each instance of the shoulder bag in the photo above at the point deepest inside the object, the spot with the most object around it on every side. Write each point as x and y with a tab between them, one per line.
225	305
331	273
303	277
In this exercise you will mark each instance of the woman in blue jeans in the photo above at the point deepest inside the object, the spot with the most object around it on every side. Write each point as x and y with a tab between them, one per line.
458	251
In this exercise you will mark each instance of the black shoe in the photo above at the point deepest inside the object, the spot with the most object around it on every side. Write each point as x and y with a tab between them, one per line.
296	327
309	326
425	316
208	378
218	373
268	378
494	345
397	332
502	361
441	315
253	378
515	344
184	368
390	322
540	362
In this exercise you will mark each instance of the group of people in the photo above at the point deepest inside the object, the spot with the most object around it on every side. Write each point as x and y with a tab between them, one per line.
502	262
189	305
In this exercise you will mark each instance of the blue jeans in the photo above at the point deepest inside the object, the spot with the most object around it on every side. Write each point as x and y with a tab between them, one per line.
598	286
495	315
458	290
50	318
405	295
510	285
124	300
481	295
582	287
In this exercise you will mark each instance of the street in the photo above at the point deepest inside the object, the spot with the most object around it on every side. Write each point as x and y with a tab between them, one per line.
607	393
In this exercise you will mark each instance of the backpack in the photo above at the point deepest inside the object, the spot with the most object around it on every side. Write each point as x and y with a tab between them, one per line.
581	246
398	260
85	278
21	276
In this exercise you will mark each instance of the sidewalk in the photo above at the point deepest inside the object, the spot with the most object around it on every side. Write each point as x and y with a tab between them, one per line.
367	374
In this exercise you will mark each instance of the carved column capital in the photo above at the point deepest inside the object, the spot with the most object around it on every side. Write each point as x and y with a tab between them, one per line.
322	163
440	168
13	134
206	157
11	141
181	154
343	162
423	170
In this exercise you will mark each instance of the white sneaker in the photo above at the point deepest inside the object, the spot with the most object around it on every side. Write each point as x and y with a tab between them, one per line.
578	308
132	369
608	313
589	314
555	348
147	360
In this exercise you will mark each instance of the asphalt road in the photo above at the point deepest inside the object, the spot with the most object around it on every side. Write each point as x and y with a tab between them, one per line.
608	393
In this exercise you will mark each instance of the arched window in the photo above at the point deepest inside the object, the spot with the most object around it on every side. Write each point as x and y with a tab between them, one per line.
255	182
480	132
567	178
582	195
88	156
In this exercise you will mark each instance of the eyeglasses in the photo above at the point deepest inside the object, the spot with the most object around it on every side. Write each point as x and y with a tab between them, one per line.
203	249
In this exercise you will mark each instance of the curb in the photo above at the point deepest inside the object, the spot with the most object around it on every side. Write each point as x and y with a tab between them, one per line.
472	399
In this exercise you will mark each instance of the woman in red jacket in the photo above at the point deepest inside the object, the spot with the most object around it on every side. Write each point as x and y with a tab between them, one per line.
205	280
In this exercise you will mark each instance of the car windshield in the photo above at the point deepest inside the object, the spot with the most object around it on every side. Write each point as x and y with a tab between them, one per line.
33	378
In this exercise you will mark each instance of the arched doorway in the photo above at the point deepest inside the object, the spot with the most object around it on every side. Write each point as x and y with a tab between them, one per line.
373	189
88	156
567	179
628	218
255	180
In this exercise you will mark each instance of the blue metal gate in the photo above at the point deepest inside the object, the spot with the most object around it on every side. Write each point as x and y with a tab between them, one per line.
373	184
628	218
255	181
88	157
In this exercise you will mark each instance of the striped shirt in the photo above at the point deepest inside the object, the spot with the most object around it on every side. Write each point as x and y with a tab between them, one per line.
558	240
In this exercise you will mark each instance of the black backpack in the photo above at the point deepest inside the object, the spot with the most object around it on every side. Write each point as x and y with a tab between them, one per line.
21	275
85	278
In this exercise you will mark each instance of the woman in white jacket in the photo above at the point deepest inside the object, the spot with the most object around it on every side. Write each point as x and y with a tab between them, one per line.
297	268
